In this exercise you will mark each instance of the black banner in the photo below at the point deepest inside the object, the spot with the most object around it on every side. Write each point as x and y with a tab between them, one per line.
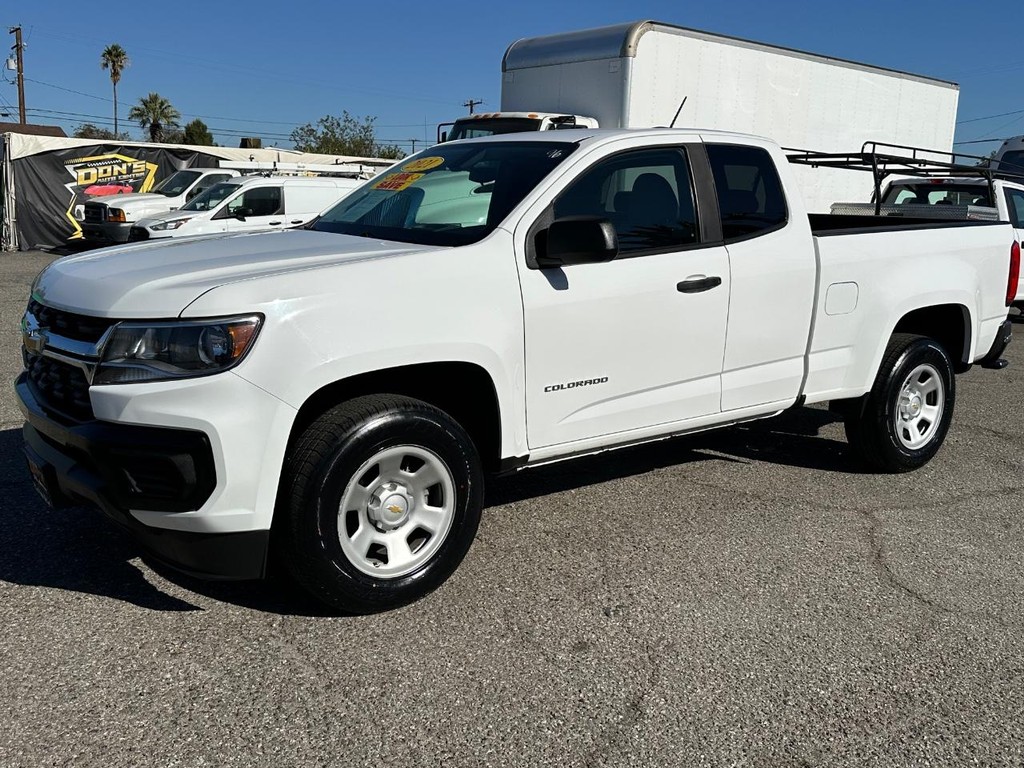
52	187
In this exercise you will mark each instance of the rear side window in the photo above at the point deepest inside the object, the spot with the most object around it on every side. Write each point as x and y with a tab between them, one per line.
750	197
1015	204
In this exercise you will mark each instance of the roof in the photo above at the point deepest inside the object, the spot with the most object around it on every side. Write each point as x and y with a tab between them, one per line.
28	129
575	135
622	41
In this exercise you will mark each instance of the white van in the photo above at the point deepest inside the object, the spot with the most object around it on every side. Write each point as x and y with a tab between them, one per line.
246	204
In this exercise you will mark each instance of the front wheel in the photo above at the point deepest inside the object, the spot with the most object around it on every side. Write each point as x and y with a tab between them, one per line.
901	423
384	501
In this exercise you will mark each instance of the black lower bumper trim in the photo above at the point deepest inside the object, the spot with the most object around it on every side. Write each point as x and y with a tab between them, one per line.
117	468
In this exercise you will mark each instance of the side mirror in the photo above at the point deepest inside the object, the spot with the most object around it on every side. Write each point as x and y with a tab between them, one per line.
444	137
579	240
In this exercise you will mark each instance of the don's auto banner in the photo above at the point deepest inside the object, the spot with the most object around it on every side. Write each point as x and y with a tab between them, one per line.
52	186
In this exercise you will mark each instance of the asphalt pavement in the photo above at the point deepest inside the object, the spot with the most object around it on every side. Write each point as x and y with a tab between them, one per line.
747	597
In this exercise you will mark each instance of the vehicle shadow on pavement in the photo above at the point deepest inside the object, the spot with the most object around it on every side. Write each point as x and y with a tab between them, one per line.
80	550
72	549
792	438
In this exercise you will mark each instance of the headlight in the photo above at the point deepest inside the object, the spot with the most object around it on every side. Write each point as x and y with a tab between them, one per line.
136	352
160	226
115	214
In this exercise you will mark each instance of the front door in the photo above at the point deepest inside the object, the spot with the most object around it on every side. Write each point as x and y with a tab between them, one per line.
255	208
637	341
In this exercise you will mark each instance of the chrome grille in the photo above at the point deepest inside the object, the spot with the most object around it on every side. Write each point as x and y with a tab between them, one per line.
95	212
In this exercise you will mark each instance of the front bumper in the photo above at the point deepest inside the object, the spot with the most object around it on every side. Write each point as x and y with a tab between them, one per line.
127	470
106	232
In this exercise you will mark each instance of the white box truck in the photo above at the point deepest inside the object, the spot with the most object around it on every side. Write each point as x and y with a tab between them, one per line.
636	75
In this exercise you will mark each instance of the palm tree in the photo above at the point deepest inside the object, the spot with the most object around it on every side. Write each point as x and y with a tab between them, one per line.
114	58
155	113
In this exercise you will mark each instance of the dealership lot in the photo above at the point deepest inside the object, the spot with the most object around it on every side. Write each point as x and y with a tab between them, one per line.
745	597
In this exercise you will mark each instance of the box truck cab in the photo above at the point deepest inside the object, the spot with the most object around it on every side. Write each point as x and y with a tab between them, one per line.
247	204
1010	156
494	123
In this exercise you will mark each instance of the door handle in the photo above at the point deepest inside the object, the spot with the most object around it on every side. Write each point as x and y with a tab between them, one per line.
698	284
296	221
273	223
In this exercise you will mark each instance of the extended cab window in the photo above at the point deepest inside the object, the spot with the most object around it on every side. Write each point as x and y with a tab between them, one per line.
646	194
750	196
1015	204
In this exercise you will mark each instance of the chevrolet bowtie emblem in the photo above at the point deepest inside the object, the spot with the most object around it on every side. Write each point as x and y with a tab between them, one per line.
394	509
34	338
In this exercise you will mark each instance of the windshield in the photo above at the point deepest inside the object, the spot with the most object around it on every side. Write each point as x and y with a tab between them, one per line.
929	193
475	128
211	198
176	183
1012	161
446	195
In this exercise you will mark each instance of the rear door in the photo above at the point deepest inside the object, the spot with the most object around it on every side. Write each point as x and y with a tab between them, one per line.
773	274
635	342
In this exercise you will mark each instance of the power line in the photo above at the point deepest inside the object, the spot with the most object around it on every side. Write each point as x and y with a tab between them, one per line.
990	117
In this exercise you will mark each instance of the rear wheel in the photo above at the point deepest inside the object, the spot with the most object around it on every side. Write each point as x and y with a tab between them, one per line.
384	501
901	423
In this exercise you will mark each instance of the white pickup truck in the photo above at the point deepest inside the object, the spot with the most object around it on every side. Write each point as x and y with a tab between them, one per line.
333	397
110	219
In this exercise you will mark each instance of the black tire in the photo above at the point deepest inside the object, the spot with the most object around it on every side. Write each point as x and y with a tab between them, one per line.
873	423
322	471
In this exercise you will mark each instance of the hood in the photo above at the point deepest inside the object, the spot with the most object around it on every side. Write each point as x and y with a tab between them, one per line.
177	213
158	279
131	200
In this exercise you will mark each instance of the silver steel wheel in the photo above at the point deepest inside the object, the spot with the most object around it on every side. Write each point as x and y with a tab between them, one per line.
920	406
396	511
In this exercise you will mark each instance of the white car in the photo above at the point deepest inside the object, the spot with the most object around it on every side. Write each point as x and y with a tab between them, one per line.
334	395
246	204
109	219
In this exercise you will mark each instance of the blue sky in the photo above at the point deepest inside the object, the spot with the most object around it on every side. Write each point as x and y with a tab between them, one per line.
260	68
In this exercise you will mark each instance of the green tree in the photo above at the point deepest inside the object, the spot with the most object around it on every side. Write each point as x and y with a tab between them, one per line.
114	58
345	135
197	133
90	131
154	113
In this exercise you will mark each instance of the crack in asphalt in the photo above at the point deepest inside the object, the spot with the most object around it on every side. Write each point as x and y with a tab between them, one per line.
885	570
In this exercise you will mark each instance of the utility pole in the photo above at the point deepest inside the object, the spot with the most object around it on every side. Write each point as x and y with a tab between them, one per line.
18	47
414	145
472	103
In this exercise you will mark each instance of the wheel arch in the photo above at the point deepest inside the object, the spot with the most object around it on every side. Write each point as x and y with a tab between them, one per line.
463	390
950	325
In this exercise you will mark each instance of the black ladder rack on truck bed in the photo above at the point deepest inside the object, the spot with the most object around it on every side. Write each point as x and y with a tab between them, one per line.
876	157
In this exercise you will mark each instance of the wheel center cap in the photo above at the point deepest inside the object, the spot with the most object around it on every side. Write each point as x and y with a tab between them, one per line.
389	506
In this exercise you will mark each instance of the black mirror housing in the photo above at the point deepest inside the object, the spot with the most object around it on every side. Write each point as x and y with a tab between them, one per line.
579	240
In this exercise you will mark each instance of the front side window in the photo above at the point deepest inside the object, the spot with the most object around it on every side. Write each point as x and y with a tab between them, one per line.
258	201
176	183
646	194
1015	204
446	195
750	197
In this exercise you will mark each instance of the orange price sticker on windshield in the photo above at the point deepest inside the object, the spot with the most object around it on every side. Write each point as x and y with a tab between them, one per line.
423	164
396	182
